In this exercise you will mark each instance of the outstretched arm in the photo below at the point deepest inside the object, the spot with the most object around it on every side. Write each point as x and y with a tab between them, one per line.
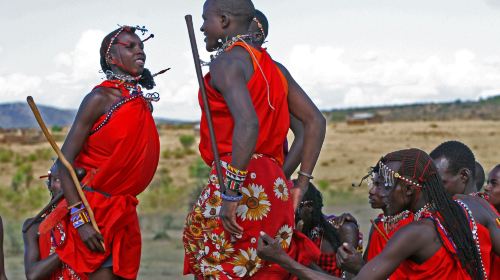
407	242
302	107
294	156
34	268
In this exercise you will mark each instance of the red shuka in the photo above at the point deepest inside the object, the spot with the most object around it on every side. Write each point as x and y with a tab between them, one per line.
120	159
47	244
444	264
377	242
273	124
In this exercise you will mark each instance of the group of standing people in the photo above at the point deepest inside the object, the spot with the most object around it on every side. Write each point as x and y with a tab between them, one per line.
257	223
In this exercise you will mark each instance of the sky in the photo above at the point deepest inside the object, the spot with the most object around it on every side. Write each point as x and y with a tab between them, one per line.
344	53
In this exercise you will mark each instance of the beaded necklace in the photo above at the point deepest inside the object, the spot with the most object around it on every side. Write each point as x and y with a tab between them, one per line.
390	222
475	235
110	75
225	46
419	212
134	92
228	44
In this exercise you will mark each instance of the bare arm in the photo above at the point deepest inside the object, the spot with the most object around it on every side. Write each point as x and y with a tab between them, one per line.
294	156
36	269
414	239
93	106
302	107
229	76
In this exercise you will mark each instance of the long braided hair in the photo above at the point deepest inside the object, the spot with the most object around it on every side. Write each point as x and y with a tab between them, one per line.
418	167
146	80
318	218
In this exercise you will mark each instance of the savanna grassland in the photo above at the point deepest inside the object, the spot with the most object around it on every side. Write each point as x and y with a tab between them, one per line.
347	153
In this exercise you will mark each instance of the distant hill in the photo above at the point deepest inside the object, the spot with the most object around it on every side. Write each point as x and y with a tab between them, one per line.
484	109
19	115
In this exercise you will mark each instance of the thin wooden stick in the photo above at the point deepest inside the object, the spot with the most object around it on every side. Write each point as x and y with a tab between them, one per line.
379	230
199	75
64	161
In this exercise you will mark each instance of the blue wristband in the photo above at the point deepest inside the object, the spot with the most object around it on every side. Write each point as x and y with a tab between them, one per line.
231	198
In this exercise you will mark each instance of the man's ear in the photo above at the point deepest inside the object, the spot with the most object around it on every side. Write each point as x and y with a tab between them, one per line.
465	175
224	20
109	59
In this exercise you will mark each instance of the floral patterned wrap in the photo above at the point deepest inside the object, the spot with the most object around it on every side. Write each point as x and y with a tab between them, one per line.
212	253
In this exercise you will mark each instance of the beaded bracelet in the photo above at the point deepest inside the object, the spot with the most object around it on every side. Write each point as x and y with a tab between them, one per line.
232	184
234	178
232	198
79	219
305	175
79	216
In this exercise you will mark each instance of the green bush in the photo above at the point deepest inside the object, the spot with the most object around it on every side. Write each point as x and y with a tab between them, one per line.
199	171
56	128
187	141
6	155
24	174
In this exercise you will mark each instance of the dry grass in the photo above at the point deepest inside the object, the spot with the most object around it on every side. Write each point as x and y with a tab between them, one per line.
347	153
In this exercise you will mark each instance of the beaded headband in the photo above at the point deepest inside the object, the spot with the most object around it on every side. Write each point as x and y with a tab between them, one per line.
260	26
142	29
390	176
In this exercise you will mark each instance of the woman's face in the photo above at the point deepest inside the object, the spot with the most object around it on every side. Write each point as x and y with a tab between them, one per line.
305	211
492	188
211	28
127	54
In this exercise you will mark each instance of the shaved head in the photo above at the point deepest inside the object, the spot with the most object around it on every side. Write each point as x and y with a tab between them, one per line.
241	9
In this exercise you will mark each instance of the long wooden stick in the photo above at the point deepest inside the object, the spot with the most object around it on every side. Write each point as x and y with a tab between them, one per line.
199	75
64	161
379	230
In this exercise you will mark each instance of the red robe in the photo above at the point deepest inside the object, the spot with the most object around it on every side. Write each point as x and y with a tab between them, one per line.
120	160
47	244
377	242
267	203
444	264
273	124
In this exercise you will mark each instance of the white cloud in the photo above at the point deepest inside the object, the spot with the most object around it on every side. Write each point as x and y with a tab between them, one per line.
16	86
335	78
494	3
81	63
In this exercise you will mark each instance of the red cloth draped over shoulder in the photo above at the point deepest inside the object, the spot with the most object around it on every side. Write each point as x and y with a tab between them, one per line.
377	242
273	123
444	264
120	159
47	242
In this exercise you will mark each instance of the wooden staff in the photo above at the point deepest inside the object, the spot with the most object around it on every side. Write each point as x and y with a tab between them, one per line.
199	75
379	230
64	161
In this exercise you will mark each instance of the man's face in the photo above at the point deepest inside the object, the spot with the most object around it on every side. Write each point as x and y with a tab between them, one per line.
211	27
378	193
452	183
492	187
